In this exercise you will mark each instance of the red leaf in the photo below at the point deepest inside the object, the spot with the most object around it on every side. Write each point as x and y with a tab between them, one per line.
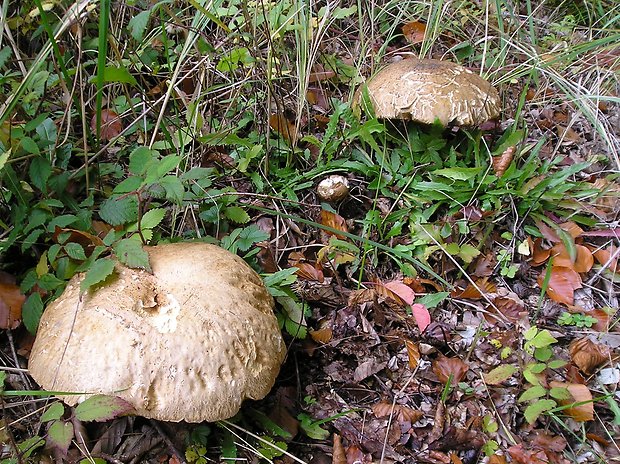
449	368
402	290
421	315
111	125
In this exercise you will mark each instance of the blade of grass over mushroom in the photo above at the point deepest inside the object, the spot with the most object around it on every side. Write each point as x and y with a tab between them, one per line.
104	19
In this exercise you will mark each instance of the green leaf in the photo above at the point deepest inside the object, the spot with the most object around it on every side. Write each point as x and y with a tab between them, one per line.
54	412
4	157
119	210
557	364
542	339
560	393
118	74
237	214
431	300
39	171
131	253
29	146
532	393
458	173
174	189
467	253
269	448
499	374
251	235
32	309
137	24
543	354
167	164
59	436
228	447
98	272
294	322
140	159
101	408
312	427
282	278
534	410
152	218
75	251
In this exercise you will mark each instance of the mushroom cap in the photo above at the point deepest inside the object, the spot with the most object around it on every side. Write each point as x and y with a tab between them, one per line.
426	90
189	342
333	188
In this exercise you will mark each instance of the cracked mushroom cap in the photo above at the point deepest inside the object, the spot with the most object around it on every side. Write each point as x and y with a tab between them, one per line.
189	342
426	90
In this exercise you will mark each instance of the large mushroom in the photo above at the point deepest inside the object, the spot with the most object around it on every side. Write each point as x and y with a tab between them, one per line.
425	90
188	342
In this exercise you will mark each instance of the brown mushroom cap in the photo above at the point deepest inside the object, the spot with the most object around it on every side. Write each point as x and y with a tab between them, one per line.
189	342
426	90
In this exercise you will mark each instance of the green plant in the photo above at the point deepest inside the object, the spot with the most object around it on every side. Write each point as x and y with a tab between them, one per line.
577	319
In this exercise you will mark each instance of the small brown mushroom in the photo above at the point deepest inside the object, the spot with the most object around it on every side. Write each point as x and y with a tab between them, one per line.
333	188
429	90
188	342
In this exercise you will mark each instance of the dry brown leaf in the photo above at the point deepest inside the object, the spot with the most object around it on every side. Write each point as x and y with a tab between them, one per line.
454	459
562	284
510	307
338	454
414	31
319	98
400	412
334	221
11	301
111	125
587	355
540	255
572	228
358	297
497	459
607	257
449	368
483	286
307	271
319	73
323	335
553	443
413	353
583	262
602	320
501	162
279	123
581	394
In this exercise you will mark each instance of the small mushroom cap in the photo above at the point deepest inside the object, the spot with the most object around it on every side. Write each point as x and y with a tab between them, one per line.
189	342
426	90
333	188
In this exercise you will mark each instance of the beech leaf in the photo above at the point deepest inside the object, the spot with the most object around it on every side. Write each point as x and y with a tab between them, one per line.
499	374
421	315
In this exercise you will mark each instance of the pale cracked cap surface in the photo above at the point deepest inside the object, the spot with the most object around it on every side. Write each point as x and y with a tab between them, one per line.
426	90
189	342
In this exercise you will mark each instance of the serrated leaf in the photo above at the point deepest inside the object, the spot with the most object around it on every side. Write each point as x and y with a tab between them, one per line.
167	164
532	393
237	214
131	253
59	436
499	374
54	412
174	189
32	310
98	272
39	171
75	251
137	24
119	210
152	218
249	236
140	159
101	408
534	410
467	253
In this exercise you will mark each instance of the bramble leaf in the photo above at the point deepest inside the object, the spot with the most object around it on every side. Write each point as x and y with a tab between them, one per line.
130	253
101	408
100	270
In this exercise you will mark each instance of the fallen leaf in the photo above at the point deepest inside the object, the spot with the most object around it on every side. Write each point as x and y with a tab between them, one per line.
452	369
333	221
520	455
501	162
402	290
608	257
497	459
319	73
510	307
413	354
475	292
338	454
583	262
307	271
323	335
414	31
499	374
587	355
400	412
421	315
562	284
11	301
584	410
111	125
283	126
540	255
